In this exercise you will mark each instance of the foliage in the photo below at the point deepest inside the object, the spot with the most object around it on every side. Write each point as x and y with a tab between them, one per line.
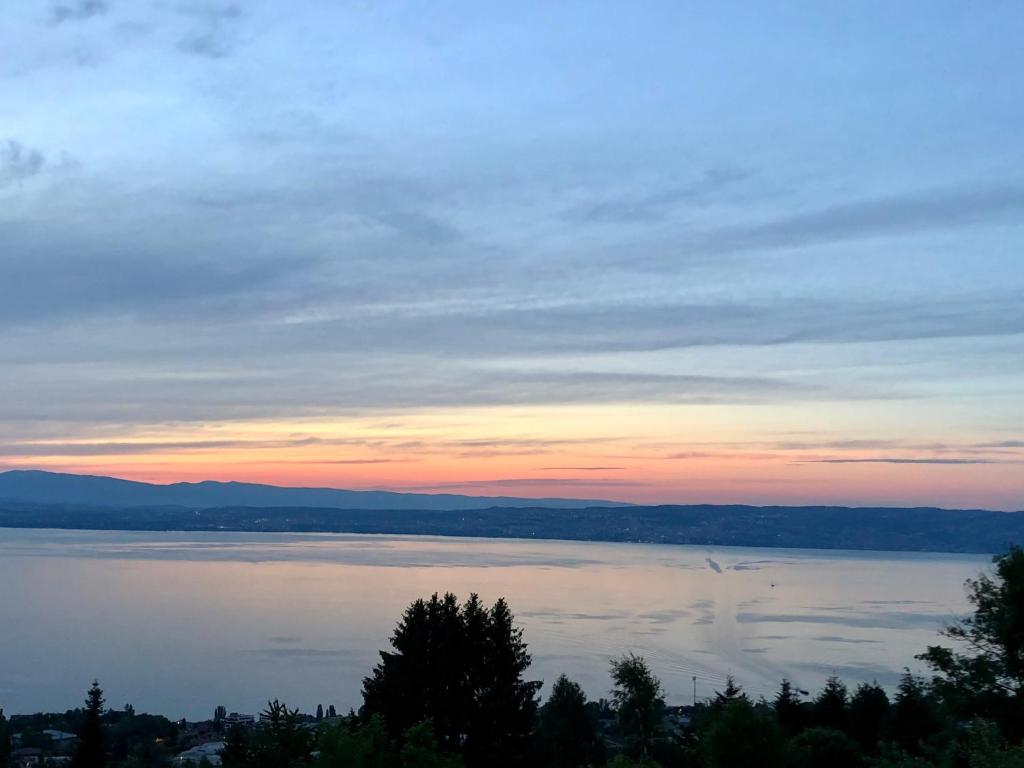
640	702
5	741
789	709
281	741
824	747
566	735
869	711
987	678
91	751
914	718
460	668
741	735
831	706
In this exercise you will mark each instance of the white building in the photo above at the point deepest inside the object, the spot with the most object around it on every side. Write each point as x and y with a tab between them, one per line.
210	751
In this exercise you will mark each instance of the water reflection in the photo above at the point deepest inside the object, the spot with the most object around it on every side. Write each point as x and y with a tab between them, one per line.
178	623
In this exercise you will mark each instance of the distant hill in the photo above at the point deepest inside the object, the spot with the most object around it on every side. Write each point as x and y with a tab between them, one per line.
38	487
918	530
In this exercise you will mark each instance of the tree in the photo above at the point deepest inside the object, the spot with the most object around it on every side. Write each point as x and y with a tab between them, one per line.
869	707
319	712
987	679
741	735
731	692
640	702
789	709
5	741
986	748
566	734
831	706
91	751
219	713
354	744
419	750
817	747
331	711
461	668
914	719
237	752
281	742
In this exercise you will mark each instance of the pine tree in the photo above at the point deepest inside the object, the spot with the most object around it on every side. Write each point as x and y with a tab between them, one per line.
831	706
91	751
460	668
237	751
281	742
914	718
869	707
789	710
566	734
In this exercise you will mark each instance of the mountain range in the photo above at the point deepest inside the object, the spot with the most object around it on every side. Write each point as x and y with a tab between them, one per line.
32	499
38	487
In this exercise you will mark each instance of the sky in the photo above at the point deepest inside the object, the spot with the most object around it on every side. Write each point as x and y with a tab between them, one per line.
658	252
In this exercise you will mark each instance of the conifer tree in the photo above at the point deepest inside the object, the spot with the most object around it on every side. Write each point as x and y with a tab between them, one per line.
831	706
789	710
460	668
566	734
91	751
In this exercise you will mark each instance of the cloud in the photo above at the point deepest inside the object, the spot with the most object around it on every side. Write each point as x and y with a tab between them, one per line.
303	653
886	460
903	214
141	447
18	163
77	11
516	482
650	207
580	469
214	34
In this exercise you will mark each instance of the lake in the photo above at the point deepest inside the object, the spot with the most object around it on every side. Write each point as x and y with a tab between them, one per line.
177	623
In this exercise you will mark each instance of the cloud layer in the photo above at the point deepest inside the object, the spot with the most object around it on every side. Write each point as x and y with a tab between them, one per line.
223	226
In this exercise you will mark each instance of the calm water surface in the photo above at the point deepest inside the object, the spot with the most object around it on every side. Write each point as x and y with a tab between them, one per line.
177	623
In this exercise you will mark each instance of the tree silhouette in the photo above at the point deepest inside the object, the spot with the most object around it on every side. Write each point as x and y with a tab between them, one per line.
460	668
824	747
91	751
640	703
987	679
565	731
237	751
869	708
914	718
5	741
789	710
831	706
741	735
281	742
